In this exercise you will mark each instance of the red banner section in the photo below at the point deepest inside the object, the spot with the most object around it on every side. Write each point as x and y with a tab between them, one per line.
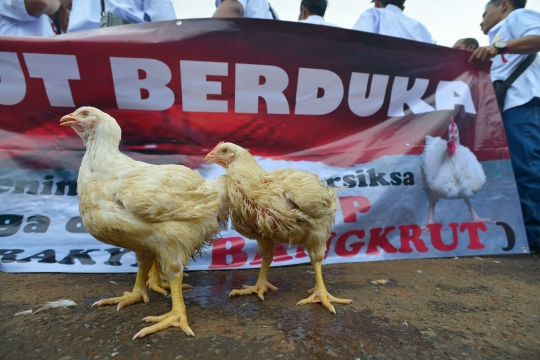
311	92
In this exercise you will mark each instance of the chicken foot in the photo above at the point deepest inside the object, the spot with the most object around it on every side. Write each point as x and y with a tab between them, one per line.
474	216
176	317
319	292
155	282
139	292
262	285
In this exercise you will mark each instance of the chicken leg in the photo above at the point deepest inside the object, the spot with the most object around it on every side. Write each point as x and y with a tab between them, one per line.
319	292
176	317
474	215
266	249
155	282
139	292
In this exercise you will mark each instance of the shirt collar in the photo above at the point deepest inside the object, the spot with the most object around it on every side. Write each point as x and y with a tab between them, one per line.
494	30
315	17
393	8
496	27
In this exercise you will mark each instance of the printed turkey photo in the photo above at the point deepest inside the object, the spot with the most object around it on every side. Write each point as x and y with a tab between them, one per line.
451	171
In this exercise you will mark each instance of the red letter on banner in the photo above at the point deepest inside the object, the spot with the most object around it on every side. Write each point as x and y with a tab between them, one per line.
380	240
300	253
341	248
436	239
280	255
406	239
220	252
474	238
350	205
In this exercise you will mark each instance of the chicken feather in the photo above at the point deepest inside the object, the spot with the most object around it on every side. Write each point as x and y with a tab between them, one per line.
285	205
162	212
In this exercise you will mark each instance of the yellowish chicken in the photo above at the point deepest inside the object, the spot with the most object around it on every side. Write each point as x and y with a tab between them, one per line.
162	212
287	206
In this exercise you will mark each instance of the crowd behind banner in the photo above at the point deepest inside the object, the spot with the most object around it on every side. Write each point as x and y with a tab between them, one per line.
513	30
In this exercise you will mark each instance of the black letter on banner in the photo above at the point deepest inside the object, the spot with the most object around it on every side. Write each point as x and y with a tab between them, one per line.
5	182
61	188
376	179
116	256
46	256
408	179
9	255
10	224
510	235
82	255
75	225
21	186
40	224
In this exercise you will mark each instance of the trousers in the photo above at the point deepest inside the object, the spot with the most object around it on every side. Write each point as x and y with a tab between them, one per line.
522	127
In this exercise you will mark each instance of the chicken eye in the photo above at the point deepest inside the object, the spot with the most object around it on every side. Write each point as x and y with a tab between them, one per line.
85	114
224	151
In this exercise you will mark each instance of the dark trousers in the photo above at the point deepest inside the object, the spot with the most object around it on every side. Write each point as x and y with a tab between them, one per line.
522	126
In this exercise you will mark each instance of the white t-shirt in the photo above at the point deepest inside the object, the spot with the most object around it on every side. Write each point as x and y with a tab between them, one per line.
391	21
318	20
86	14
15	20
519	23
259	9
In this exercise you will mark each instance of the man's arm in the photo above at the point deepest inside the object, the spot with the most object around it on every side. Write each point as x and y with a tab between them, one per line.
229	8
42	7
525	45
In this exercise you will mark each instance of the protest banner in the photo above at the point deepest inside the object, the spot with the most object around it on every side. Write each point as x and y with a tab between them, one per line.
352	107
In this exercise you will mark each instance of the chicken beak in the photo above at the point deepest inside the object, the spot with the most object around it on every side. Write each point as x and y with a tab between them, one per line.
210	157
68	120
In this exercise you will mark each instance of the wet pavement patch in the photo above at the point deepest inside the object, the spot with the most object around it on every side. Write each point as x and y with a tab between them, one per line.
348	333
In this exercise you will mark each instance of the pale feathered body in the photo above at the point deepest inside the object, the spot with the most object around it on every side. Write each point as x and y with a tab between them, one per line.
166	210
450	177
286	205
162	212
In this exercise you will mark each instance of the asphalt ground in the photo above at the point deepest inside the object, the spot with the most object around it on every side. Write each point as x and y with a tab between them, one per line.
463	308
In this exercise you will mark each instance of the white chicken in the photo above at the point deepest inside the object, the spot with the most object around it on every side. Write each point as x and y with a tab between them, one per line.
162	212
451	171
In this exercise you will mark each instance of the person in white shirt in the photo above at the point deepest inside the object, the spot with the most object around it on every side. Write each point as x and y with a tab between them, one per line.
260	9
514	32
28	17
86	14
387	18
312	12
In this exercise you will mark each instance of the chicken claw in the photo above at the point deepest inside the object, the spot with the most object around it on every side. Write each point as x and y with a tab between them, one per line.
324	297
175	318
319	292
260	288
139	292
129	298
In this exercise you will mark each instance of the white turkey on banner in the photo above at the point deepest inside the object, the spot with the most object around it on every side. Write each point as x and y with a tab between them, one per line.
366	113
